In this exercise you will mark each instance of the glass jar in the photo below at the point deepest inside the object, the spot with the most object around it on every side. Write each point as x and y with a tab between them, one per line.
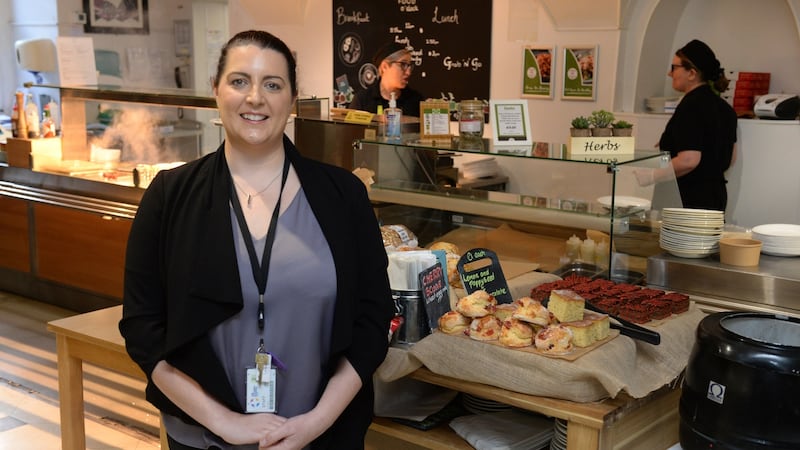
470	119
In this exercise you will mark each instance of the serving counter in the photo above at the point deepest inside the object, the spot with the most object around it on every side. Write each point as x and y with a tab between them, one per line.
773	286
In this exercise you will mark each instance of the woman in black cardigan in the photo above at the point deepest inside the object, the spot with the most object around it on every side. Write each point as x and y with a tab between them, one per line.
195	276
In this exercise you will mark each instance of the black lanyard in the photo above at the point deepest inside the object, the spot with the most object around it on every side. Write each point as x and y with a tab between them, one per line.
260	273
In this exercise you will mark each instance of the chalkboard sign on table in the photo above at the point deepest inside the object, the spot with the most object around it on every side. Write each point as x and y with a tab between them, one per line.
435	293
450	42
480	269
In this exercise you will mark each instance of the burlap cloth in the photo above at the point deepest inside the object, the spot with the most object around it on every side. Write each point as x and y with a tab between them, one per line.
622	364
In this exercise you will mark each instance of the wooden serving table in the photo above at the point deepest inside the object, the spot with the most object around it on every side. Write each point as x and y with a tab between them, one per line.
619	423
94	338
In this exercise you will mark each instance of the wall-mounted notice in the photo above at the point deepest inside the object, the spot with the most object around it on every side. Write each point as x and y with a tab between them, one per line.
76	66
450	42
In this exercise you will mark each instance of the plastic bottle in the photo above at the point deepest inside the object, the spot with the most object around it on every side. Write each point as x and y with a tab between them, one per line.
588	250
48	126
32	117
22	123
55	114
574	247
15	120
393	117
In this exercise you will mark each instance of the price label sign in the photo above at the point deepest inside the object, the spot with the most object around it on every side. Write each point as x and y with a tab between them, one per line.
480	269
435	293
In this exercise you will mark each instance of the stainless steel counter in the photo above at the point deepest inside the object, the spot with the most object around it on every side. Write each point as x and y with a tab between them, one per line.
773	285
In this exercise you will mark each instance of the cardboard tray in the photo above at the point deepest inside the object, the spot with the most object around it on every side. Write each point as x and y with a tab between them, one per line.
576	352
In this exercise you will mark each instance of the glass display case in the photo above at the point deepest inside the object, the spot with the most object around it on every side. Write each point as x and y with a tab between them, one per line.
446	189
108	131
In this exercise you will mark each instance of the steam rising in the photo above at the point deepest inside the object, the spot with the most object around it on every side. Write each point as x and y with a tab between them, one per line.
137	132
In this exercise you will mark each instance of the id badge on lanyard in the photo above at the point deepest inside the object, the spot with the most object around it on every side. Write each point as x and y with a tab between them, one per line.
261	379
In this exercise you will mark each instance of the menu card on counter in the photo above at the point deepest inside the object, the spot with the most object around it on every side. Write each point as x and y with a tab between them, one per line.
480	269
435	293
76	65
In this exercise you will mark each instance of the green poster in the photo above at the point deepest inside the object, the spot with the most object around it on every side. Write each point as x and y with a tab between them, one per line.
536	77
579	73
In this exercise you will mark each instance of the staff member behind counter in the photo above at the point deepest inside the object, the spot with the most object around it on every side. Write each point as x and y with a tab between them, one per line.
701	134
394	65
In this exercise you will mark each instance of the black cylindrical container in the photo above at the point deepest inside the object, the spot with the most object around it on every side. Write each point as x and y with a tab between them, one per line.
415	319
742	385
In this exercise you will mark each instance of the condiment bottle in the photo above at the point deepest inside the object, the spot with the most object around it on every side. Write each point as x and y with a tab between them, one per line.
48	125
601	254
22	123
470	119
32	117
393	117
573	247
588	250
15	120
55	114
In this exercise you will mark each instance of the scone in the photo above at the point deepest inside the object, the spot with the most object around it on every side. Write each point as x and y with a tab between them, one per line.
453	277
452	255
504	311
554	339
446	246
516	333
566	305
453	322
485	328
477	304
531	311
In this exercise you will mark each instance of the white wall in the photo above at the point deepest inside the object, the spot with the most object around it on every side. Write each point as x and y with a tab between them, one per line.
50	19
746	36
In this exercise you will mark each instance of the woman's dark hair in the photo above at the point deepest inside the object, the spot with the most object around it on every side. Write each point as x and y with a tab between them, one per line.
264	40
698	55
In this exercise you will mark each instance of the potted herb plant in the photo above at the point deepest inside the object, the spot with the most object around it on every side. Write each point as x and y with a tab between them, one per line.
601	121
580	127
622	128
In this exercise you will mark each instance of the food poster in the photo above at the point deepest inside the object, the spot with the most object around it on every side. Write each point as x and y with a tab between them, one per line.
537	69
579	73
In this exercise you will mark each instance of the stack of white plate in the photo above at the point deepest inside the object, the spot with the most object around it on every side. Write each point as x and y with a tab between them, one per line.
660	104
559	440
691	233
480	167
477	405
778	239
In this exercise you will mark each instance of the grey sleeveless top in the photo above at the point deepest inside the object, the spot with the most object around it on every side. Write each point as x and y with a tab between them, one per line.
299	305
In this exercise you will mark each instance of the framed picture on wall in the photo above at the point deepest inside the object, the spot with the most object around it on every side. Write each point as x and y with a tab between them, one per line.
116	17
537	70
578	81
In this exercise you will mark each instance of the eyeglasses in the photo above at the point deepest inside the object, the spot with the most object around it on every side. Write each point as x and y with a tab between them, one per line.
686	66
404	65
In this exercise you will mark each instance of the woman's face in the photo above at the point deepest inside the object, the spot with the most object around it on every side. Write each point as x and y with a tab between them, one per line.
682	78
254	97
396	73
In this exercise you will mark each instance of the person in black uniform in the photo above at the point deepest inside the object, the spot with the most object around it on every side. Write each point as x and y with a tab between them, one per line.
394	65
701	134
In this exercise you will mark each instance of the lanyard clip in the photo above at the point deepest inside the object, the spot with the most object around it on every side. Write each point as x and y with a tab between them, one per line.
261	312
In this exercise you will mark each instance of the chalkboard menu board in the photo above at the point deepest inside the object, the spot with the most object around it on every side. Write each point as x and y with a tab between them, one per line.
450	42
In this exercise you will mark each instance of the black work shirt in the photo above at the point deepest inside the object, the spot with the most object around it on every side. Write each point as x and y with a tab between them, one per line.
369	99
706	123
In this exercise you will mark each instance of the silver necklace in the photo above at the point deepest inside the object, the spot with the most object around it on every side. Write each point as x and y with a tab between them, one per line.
250	196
